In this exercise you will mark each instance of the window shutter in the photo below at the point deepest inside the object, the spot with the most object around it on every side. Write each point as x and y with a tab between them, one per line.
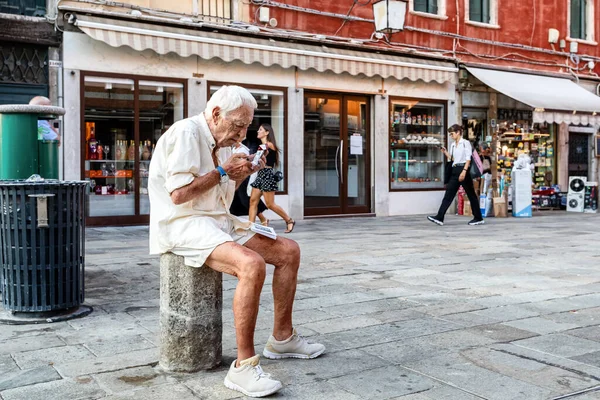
475	10
421	5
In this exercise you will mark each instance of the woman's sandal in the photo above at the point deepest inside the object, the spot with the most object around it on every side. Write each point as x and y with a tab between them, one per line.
290	222
266	223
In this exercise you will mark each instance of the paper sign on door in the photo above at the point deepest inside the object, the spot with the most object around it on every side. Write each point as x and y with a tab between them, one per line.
356	144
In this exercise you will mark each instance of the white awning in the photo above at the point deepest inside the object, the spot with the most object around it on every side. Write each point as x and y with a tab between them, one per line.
229	47
553	99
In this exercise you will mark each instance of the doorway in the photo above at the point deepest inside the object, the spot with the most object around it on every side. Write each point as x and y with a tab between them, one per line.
336	154
578	154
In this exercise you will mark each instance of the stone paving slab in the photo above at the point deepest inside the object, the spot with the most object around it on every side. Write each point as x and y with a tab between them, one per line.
560	345
82	387
24	377
384	383
510	311
460	371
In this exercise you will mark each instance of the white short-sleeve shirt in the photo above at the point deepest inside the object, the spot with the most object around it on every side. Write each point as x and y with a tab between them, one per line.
200	225
462	152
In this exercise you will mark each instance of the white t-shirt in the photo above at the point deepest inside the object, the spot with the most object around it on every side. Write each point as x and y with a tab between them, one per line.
461	153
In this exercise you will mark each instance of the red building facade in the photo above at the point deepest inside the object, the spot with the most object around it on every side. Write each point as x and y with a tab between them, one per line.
516	34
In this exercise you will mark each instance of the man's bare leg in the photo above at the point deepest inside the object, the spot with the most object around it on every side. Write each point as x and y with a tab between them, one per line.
284	254
249	268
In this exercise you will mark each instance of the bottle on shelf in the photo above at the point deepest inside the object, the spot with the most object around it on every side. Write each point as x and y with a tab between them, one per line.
131	151
123	150
146	151
119	151
92	143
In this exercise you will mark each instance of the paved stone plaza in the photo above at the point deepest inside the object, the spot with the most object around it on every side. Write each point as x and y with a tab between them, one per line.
408	310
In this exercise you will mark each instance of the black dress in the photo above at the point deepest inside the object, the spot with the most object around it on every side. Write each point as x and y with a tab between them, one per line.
240	205
265	180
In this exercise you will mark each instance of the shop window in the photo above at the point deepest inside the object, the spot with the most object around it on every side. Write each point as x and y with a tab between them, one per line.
123	120
581	20
417	132
519	135
271	110
482	11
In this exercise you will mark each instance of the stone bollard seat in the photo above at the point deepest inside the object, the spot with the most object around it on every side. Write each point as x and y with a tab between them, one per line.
191	324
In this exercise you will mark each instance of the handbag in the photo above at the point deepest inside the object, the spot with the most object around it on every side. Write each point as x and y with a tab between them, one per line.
476	168
447	172
448	169
278	176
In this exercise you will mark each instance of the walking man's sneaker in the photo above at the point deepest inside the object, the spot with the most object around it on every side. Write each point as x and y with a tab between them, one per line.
476	222
250	379
293	347
435	220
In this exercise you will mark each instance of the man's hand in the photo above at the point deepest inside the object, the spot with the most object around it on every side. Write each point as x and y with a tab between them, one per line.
238	167
261	163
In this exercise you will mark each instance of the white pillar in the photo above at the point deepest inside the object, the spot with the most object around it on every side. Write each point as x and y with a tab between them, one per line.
381	159
71	140
295	150
197	96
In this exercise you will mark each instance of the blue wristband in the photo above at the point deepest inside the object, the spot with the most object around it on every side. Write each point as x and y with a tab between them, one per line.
221	171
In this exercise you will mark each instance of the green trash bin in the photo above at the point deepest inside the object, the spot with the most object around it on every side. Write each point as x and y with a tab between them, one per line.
18	146
48	158
20	153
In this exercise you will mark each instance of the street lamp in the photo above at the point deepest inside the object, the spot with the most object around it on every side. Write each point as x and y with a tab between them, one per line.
389	15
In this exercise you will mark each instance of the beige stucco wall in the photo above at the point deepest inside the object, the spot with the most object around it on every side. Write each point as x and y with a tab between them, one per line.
81	53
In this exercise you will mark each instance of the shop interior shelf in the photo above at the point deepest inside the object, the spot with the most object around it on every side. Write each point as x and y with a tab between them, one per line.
126	161
104	161
414	145
111	177
421	125
417	161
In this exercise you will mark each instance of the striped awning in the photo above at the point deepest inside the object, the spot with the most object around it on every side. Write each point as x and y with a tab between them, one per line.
208	45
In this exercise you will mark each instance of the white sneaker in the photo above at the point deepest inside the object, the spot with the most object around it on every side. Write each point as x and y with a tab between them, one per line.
250	379
293	347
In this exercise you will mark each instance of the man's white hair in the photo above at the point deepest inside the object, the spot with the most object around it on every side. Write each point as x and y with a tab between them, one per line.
230	98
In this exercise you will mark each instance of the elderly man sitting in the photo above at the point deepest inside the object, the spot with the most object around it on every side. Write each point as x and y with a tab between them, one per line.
193	176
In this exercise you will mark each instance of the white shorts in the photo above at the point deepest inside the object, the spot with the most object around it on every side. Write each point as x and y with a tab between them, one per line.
197	257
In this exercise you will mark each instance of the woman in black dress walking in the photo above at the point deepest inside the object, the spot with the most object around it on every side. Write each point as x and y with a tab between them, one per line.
265	184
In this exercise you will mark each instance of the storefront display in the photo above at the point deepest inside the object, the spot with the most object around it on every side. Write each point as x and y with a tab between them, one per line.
519	135
123	120
417	132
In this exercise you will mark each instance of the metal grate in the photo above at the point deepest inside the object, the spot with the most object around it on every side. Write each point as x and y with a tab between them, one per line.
23	64
32	8
42	269
218	11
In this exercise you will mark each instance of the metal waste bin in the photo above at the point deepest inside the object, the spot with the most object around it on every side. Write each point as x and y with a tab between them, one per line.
42	238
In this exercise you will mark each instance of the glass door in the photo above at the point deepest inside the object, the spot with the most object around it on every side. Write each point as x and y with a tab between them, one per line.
336	154
123	119
108	149
322	141
355	160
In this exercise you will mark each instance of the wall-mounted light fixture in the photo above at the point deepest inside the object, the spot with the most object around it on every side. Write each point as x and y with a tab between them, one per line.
389	15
